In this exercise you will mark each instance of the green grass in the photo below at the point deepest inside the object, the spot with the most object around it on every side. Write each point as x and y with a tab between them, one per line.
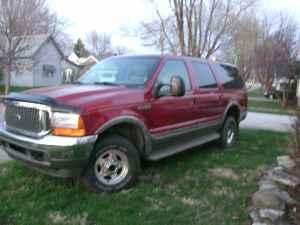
13	89
270	107
256	93
178	190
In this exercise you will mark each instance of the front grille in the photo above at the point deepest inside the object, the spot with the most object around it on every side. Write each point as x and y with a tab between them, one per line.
26	119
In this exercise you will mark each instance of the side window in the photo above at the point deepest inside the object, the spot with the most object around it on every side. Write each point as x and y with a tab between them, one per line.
48	70
229	76
205	78
174	68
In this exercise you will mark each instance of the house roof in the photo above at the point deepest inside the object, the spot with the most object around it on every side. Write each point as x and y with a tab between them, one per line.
33	43
82	61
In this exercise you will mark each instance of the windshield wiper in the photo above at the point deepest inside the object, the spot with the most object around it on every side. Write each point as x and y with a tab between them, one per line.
106	83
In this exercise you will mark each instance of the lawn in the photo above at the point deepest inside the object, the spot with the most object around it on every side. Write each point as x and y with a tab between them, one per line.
12	89
270	107
205	186
256	93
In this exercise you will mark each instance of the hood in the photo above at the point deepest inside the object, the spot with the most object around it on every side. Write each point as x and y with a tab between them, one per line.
89	96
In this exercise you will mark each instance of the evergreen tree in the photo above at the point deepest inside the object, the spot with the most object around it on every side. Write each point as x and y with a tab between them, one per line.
79	49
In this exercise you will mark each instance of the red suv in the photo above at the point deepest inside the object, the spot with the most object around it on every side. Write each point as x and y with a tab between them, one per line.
122	110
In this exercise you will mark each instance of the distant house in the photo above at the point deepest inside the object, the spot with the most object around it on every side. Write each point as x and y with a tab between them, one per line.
42	63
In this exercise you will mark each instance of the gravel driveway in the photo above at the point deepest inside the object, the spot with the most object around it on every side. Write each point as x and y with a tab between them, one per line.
261	121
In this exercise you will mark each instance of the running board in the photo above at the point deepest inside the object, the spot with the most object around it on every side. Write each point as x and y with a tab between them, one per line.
183	146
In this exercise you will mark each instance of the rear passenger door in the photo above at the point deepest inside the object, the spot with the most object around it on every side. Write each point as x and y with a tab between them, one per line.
207	94
233	86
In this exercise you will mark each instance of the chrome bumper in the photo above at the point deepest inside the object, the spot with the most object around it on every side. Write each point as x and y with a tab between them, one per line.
57	156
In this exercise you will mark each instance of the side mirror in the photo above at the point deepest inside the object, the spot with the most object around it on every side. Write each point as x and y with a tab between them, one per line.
177	87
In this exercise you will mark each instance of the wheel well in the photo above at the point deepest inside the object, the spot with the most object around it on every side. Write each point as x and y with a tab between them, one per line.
130	131
235	112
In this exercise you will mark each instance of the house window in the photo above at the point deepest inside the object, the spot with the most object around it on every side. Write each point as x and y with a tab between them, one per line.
48	70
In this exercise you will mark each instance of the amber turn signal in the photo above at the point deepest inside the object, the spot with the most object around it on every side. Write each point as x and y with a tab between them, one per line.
71	132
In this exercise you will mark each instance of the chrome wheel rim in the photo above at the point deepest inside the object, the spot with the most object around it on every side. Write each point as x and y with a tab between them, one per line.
230	134
111	167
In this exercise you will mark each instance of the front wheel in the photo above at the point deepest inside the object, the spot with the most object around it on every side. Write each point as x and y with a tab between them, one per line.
229	133
114	166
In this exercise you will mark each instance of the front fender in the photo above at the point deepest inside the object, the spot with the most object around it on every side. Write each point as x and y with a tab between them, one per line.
128	120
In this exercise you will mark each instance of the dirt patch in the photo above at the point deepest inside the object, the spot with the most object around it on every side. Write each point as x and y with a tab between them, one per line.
60	218
189	201
222	192
3	171
224	173
155	203
251	175
57	217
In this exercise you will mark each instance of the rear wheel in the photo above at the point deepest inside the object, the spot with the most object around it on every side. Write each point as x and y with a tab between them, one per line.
229	132
114	166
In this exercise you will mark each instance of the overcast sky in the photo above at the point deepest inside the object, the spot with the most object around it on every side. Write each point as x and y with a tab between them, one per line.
112	16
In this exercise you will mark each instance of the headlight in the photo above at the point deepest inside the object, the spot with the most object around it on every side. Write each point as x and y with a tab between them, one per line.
67	124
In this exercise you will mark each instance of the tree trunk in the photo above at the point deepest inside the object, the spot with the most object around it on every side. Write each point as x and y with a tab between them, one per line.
7	79
284	102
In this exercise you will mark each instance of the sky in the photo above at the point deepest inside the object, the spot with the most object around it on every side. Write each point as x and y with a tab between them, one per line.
121	18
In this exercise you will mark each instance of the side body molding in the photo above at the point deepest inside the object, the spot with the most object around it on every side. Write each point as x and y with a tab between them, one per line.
129	120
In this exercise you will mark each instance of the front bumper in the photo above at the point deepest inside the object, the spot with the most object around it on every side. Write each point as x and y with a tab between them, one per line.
56	156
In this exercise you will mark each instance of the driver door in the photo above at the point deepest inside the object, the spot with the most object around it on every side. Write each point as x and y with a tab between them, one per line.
169	112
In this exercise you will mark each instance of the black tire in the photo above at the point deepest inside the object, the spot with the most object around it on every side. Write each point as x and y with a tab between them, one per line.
123	147
226	140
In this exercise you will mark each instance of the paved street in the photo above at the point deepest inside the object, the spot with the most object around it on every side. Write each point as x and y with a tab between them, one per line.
261	121
267	121
3	156
260	99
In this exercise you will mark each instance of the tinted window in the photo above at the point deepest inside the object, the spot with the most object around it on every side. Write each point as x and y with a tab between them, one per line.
229	76
205	78
174	68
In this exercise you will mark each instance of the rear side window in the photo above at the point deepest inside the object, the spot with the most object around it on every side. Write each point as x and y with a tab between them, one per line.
229	77
204	76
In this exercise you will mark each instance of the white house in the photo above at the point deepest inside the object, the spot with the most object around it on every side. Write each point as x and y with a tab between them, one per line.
42	63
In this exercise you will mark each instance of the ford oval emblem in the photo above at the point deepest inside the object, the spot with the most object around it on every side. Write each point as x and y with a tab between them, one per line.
18	116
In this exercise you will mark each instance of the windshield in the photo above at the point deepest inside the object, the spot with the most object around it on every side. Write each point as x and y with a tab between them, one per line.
128	71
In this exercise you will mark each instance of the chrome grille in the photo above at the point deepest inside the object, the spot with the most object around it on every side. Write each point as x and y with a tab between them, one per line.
27	118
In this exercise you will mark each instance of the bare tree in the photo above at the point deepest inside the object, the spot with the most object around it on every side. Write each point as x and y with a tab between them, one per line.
121	50
276	51
99	44
202	26
18	20
161	34
241	50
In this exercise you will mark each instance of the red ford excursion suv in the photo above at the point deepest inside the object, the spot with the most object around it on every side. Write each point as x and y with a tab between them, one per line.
123	110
